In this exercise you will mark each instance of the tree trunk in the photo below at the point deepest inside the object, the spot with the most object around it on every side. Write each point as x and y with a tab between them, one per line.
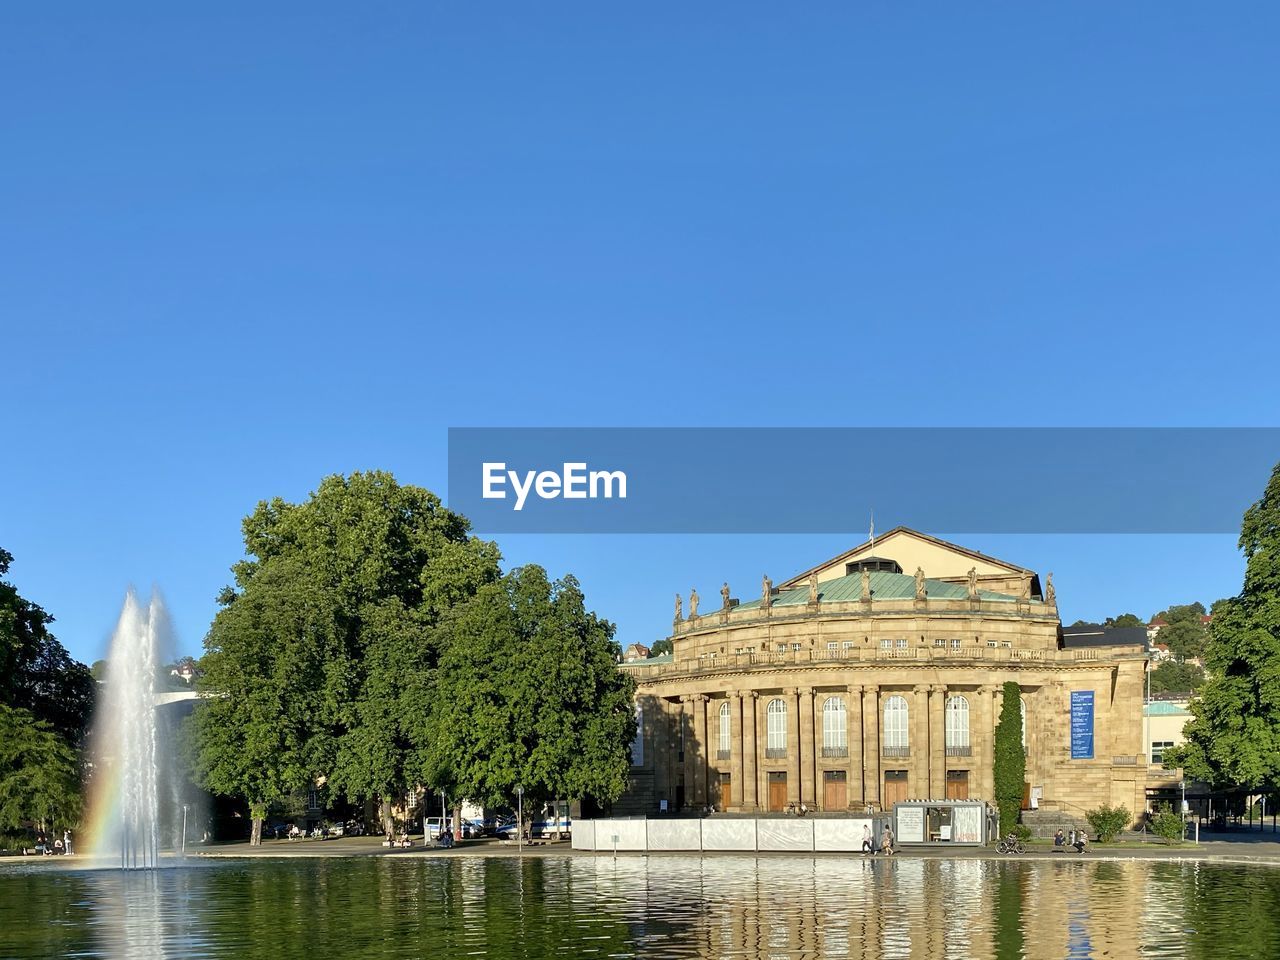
457	822
255	837
388	822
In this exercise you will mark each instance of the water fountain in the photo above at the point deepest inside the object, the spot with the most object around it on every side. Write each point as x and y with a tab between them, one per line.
125	808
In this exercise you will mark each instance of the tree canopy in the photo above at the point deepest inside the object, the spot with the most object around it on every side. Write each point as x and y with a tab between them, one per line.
318	659
40	772
36	672
46	703
1124	620
528	694
1184	631
1173	677
1234	736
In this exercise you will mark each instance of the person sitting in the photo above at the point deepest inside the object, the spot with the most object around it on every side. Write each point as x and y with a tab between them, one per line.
445	839
1080	842
1059	841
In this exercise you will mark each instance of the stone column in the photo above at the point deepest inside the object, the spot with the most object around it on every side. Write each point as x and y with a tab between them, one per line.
736	743
871	745
988	698
750	766
937	742
689	748
808	764
701	752
918	732
853	717
791	697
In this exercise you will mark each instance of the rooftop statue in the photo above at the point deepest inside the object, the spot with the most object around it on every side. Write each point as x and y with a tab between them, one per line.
693	602
920	588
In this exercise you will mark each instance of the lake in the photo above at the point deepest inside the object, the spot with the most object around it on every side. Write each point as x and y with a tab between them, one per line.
569	906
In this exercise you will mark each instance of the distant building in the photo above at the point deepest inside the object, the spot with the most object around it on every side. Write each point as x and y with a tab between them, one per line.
637	651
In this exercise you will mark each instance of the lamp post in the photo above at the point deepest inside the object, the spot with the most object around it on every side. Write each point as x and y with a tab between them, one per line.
184	829
520	819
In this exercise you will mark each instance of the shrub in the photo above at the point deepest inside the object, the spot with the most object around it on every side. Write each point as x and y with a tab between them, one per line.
1022	832
1009	759
1108	821
1169	825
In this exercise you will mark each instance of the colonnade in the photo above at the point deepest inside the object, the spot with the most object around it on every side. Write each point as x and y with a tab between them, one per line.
691	769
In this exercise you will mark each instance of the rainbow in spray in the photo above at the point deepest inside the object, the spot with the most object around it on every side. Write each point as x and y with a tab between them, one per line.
124	815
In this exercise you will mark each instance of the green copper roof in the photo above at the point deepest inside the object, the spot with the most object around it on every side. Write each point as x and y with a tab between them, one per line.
1166	708
884	586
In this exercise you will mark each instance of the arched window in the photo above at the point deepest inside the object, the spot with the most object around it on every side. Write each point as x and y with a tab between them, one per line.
957	714
724	731
835	732
1022	707
776	729
895	725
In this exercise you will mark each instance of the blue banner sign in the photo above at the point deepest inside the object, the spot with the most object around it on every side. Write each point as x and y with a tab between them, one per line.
1081	724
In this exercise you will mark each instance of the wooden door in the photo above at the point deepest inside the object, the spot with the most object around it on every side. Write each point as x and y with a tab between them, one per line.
777	792
895	788
724	792
835	794
957	784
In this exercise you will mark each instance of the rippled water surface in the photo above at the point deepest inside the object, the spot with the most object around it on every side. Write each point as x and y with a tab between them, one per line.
720	907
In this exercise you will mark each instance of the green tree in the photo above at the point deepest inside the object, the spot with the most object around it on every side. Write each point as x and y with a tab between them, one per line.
40	773
1172	677
256	735
343	592
660	647
1009	758
1184	630
1233	738
36	672
1124	620
528	693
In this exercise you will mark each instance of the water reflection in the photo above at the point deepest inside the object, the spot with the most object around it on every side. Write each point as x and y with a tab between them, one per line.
676	907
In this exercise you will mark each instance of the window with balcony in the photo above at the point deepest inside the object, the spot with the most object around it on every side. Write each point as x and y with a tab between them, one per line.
886	644
896	743
835	731
939	642
955	644
775	730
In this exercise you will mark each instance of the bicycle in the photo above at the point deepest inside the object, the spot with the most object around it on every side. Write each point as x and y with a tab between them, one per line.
1010	844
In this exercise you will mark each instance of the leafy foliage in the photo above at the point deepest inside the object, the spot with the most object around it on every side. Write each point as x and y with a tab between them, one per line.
660	647
1168	825
1009	759
36	672
319	658
1184	631
528	693
1108	821
1173	676
1234	737
40	772
1124	620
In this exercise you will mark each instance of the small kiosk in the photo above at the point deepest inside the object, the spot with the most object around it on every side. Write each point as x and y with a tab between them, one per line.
958	822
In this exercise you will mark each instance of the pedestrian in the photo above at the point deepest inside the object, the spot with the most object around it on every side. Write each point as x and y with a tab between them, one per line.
886	841
66	842
868	842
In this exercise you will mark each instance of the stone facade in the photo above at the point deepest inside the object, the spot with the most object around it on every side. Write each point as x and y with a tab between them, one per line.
817	696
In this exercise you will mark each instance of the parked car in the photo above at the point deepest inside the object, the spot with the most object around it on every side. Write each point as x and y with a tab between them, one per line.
436	824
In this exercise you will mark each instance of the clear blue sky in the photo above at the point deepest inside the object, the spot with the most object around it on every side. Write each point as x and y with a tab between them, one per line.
243	249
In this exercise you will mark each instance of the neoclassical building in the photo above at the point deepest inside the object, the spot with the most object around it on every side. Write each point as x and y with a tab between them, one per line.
876	677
